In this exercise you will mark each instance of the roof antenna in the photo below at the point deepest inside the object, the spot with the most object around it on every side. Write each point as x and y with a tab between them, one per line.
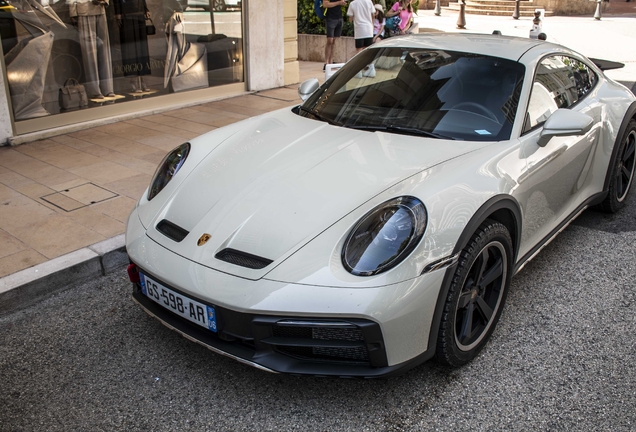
497	32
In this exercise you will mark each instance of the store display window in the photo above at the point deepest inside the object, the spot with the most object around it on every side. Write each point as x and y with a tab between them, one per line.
73	55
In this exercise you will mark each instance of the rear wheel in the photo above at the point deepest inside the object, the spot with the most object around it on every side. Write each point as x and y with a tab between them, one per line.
476	295
622	172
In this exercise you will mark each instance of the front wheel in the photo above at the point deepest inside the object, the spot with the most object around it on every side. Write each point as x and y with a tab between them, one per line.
622	172
476	296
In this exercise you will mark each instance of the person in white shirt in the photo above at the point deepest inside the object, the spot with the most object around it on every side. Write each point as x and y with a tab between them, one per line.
361	14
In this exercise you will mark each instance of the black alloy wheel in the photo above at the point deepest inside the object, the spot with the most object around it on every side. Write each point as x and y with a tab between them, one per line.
476	295
625	171
218	5
622	174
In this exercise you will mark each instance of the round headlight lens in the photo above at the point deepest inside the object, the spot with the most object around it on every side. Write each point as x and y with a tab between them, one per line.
384	236
167	169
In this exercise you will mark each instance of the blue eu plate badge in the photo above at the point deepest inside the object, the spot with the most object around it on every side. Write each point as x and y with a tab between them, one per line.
190	309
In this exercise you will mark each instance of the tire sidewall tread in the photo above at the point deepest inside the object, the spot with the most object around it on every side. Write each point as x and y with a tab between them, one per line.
447	351
611	204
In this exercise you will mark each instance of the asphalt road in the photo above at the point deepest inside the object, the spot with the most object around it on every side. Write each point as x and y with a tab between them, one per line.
562	358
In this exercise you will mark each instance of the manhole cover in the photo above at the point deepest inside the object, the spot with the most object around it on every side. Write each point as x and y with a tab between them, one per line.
79	196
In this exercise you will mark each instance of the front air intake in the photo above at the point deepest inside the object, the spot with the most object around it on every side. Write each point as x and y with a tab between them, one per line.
243	259
335	342
172	231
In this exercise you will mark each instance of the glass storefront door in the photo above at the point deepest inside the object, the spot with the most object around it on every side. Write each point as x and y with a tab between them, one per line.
69	61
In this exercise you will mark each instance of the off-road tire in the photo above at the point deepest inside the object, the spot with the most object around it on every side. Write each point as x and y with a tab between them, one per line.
488	253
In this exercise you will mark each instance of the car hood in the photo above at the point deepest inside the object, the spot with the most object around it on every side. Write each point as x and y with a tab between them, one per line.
283	179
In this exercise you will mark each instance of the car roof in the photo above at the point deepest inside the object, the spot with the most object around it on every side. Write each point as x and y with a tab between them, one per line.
491	45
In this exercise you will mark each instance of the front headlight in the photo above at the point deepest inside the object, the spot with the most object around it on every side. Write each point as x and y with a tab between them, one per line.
167	169
384	236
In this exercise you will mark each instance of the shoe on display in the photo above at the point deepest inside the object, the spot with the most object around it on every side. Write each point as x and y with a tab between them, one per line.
359	74
370	72
134	85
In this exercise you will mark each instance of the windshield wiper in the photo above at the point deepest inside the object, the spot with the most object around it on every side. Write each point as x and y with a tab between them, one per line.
401	130
318	116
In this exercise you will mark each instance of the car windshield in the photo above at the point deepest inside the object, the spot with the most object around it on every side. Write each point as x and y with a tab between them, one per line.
423	92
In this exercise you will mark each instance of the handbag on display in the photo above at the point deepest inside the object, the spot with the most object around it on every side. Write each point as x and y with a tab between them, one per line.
150	27
392	25
72	95
26	71
192	69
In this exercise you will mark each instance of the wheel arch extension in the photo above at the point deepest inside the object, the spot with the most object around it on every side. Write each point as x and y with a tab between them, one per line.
502	208
630	115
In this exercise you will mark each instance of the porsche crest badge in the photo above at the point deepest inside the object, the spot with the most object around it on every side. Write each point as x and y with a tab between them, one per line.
203	239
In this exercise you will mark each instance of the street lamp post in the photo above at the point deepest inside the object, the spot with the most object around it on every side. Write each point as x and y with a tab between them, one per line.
516	13
438	7
597	14
461	21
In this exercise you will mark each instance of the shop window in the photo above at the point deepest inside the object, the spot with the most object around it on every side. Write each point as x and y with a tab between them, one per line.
108	48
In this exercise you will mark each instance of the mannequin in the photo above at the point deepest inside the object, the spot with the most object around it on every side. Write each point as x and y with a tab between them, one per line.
131	17
90	17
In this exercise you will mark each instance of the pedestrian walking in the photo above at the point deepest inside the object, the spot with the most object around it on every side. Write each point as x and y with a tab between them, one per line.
333	21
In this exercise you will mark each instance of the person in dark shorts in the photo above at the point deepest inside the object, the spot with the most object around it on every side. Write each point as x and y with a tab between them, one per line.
361	13
334	25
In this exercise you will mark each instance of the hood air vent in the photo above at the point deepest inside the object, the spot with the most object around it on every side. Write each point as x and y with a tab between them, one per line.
243	259
172	231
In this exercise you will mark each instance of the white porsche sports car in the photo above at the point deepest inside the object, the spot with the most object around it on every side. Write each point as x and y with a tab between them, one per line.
378	224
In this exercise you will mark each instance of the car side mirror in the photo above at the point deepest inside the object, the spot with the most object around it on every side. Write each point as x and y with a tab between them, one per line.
307	88
565	122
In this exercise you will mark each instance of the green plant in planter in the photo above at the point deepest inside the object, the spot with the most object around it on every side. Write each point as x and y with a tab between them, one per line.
309	23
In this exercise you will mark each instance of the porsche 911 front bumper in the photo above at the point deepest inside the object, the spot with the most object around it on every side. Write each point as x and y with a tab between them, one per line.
294	328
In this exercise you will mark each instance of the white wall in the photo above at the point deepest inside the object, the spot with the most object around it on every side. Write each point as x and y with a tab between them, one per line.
6	131
265	44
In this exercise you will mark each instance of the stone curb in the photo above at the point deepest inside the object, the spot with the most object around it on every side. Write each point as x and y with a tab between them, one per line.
29	286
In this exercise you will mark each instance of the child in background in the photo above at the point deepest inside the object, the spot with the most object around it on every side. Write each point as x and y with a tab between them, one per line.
378	23
404	9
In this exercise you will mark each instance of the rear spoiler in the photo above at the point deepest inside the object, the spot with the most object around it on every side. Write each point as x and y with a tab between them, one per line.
606	64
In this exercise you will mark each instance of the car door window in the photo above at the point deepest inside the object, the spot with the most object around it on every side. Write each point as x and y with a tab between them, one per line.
584	77
559	82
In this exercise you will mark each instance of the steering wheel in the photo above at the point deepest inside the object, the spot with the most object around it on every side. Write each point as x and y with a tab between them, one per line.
476	108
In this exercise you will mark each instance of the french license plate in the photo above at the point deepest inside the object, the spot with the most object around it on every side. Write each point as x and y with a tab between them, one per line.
192	310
